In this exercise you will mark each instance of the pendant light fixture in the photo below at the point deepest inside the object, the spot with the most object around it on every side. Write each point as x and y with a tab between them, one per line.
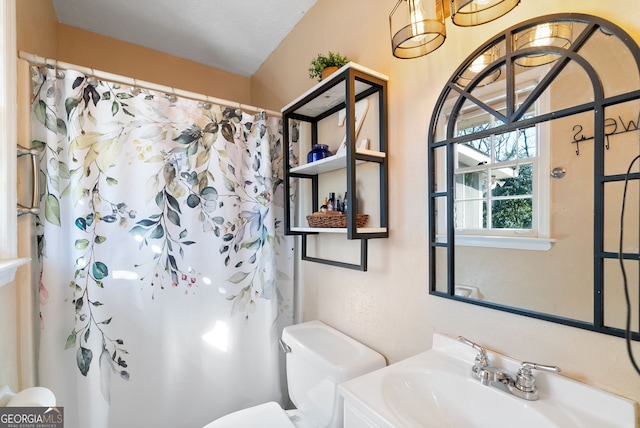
548	34
417	27
467	13
478	65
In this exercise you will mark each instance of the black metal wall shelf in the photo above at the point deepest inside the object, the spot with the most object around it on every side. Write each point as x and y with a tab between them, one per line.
341	90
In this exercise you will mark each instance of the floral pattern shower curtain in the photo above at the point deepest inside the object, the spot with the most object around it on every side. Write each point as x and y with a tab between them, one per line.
166	278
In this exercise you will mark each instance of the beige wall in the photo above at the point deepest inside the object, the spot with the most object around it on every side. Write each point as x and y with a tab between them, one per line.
81	47
40	33
389	307
37	29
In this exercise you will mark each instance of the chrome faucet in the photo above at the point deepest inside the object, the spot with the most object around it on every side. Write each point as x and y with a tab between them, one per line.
522	385
482	360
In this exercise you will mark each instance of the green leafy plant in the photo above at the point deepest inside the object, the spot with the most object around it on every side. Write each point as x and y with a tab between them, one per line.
321	62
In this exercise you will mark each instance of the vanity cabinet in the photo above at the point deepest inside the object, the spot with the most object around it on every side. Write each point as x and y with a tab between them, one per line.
354	418
348	112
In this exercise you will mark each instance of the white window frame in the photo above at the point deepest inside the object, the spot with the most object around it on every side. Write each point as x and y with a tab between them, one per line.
483	163
539	236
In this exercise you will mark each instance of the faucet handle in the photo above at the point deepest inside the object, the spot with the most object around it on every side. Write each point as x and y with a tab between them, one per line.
528	366
525	380
482	360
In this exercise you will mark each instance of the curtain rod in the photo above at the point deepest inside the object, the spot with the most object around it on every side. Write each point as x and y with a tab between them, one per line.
115	78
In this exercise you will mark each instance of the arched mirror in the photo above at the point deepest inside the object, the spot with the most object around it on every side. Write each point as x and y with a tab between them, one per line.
531	149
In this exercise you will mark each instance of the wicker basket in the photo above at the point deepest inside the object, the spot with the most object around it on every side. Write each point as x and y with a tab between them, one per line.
339	220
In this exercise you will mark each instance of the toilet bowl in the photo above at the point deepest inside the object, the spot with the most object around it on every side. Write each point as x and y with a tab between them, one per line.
318	359
265	415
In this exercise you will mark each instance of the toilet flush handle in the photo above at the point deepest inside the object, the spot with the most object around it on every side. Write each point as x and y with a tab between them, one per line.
285	348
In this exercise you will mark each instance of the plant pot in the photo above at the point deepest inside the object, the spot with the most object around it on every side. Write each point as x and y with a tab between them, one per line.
328	71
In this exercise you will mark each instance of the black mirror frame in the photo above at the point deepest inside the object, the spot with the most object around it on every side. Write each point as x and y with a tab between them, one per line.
512	123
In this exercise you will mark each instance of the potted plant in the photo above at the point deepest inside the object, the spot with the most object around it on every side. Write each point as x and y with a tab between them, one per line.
324	65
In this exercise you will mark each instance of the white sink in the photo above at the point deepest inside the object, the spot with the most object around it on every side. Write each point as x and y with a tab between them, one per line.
423	397
435	389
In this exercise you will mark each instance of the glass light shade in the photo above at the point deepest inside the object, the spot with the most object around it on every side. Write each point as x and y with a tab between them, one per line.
478	65
467	13
416	28
550	34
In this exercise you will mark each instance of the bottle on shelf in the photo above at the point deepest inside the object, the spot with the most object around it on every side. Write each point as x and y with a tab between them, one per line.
318	151
331	204
324	207
338	204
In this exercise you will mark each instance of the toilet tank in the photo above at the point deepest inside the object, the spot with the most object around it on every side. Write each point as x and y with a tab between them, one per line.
321	358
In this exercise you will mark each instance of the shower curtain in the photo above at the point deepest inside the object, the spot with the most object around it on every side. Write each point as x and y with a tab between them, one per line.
166	278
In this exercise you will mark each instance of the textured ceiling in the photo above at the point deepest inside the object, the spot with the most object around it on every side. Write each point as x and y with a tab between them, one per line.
232	35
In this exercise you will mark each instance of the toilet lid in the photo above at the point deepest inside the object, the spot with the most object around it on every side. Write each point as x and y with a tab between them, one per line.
264	415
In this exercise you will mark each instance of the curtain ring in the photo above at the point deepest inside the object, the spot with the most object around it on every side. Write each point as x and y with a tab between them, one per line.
59	72
205	104
92	79
172	96
135	90
50	64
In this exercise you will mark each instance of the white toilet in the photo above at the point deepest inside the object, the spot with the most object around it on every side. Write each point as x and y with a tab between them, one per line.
318	359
